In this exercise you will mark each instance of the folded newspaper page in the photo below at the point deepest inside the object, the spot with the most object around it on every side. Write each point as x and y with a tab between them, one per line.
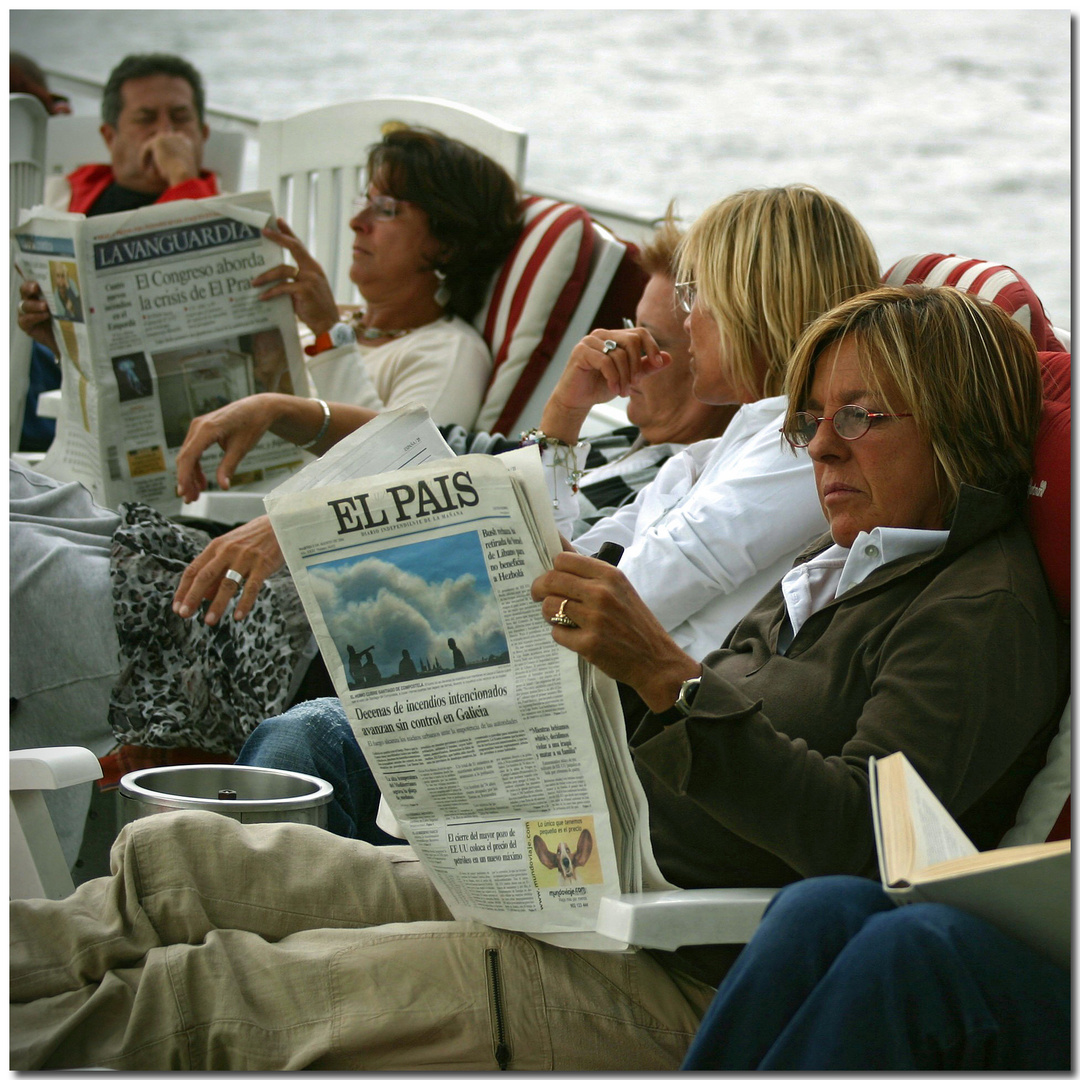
501	754
156	322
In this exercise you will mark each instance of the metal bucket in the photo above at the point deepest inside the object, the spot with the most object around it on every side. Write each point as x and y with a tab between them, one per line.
244	792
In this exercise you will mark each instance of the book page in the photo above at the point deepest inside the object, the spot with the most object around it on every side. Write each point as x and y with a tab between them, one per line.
912	829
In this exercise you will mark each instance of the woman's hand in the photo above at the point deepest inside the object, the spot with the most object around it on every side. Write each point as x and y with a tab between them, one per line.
306	283
251	550
593	376
615	630
34	317
236	428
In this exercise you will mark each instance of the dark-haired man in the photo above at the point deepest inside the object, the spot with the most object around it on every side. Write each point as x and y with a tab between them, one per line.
153	126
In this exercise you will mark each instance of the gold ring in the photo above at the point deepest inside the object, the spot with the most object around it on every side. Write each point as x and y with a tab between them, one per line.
560	618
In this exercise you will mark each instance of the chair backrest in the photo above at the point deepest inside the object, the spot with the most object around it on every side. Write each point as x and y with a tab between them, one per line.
989	281
313	163
1045	811
547	285
613	288
76	140
27	119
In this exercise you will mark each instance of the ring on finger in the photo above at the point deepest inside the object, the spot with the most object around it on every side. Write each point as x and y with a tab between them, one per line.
610	346
235	576
560	618
22	308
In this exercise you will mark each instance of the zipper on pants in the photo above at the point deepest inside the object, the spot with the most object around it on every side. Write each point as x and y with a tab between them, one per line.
495	994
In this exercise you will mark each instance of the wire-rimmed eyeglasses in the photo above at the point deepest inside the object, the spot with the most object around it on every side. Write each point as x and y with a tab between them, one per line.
383	207
685	294
850	422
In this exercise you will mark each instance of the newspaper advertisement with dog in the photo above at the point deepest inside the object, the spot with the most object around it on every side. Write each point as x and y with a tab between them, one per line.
501	754
156	322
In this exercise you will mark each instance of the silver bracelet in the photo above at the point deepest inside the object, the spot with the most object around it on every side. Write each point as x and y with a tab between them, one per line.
325	425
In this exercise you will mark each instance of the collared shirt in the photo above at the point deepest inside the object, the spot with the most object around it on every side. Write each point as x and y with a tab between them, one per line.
715	530
811	585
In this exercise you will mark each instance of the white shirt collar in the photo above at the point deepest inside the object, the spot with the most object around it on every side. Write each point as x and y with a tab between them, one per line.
811	585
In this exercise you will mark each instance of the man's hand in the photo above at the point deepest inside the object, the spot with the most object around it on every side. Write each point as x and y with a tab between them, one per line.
172	156
306	283
34	316
251	550
593	376
615	630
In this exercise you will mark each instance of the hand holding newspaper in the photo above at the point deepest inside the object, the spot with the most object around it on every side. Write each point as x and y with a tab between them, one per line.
501	754
157	322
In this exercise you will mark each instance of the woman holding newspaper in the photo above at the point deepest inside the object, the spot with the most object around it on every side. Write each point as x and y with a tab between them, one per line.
921	624
436	221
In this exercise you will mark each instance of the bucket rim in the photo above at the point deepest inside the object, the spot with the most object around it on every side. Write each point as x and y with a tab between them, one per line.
323	793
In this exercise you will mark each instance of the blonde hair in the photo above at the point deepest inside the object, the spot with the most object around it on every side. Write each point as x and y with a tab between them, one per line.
767	262
968	373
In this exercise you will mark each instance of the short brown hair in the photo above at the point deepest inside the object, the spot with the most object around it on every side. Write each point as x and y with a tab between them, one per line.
767	262
473	206
659	253
968	373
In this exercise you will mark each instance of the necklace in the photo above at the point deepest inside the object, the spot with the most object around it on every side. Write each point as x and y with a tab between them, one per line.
372	333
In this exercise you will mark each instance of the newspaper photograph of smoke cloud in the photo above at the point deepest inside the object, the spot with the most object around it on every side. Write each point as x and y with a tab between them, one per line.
412	611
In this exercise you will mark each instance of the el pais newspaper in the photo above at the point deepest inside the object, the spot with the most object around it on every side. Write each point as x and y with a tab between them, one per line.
501	754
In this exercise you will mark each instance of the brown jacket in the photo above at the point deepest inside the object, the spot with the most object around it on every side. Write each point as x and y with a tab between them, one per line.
955	656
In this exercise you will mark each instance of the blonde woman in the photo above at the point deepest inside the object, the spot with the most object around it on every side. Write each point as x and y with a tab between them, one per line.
724	519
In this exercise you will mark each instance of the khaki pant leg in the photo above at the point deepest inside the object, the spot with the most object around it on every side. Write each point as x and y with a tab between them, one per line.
220	946
401	996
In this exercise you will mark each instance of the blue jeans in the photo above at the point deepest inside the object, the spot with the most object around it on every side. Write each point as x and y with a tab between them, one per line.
838	977
314	737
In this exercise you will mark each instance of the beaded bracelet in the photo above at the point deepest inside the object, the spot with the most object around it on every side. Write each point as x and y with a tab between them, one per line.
325	425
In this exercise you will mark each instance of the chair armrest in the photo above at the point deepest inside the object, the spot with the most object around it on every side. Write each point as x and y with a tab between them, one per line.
668	920
51	767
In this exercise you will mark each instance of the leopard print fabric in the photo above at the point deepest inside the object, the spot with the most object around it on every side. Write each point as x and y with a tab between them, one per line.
183	683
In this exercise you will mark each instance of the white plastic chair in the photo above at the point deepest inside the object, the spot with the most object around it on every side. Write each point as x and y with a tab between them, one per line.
27	118
76	140
37	865
312	164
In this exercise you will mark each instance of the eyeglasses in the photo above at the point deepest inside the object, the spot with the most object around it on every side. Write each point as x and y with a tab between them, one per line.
850	422
383	207
685	294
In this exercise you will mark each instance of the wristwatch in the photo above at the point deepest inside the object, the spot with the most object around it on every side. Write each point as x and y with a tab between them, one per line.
684	703
339	334
687	692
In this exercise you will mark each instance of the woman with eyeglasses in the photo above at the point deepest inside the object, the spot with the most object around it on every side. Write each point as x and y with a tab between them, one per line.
438	218
922	623
724	519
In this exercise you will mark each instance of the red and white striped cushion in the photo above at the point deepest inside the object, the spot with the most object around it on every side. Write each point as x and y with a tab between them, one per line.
998	284
530	304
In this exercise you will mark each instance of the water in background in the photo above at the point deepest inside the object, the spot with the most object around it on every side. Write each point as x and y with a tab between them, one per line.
941	130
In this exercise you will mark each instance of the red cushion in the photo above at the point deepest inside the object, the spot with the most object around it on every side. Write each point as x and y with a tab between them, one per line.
532	300
1000	284
1062	829
1049	504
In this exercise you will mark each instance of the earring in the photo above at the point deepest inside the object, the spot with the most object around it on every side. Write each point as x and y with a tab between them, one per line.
442	293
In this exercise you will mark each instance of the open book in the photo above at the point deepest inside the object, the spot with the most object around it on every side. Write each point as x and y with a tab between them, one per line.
156	322
924	855
502	756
